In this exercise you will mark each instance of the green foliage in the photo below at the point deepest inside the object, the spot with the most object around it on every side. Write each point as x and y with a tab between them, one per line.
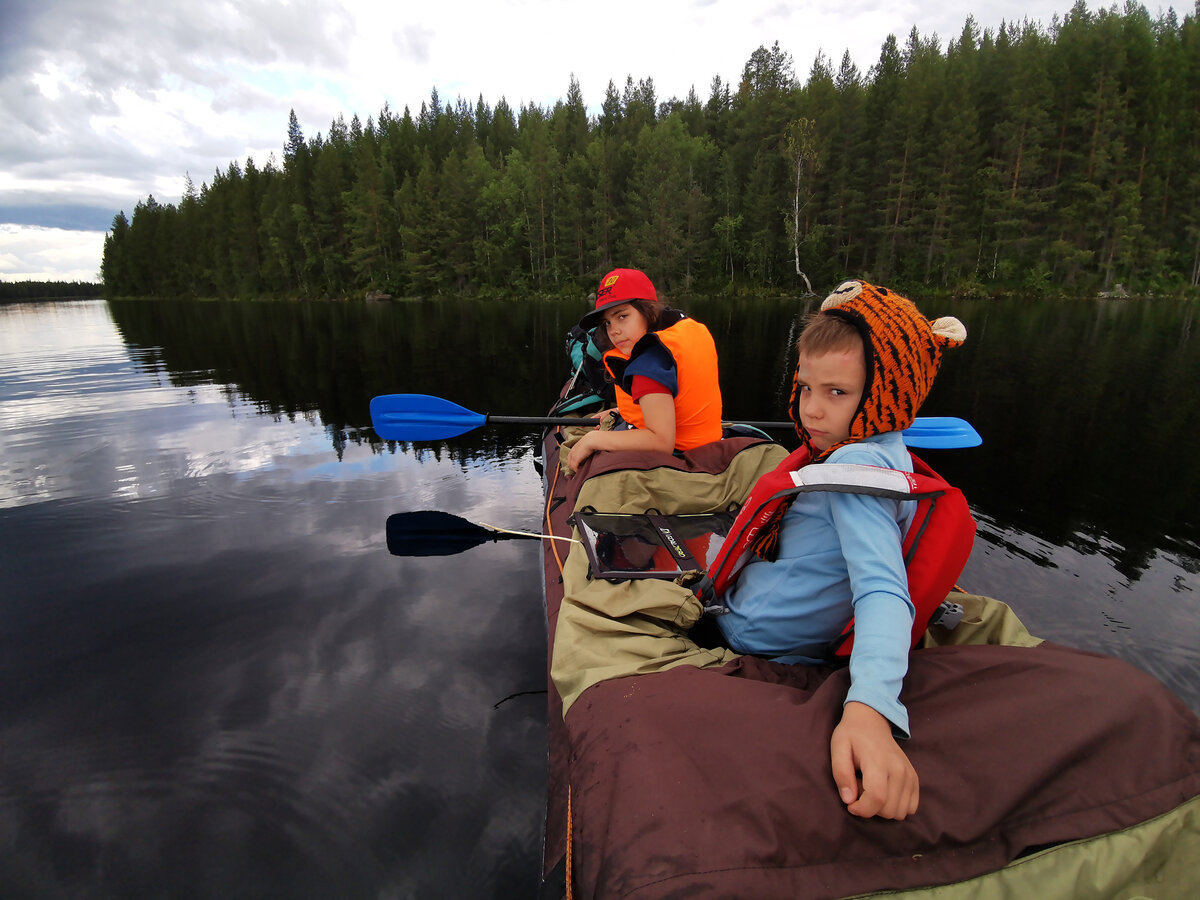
1062	159
48	290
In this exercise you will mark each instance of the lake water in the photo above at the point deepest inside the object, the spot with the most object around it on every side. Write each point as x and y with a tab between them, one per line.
217	681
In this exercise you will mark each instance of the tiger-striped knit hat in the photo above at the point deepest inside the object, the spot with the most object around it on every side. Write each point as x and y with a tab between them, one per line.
903	351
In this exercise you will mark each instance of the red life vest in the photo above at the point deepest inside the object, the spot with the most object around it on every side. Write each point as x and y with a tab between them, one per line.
935	547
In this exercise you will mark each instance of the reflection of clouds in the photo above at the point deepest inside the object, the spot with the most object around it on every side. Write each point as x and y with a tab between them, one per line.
215	675
85	418
274	671
73	406
59	449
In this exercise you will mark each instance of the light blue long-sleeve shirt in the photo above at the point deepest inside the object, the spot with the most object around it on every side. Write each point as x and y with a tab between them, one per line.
839	556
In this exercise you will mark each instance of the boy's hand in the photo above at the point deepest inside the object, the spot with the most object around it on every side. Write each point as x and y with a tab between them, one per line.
863	742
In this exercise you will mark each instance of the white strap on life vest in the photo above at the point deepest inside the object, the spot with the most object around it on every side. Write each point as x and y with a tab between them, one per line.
771	490
854	478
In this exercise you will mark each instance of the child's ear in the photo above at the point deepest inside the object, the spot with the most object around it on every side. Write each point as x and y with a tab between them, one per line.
949	331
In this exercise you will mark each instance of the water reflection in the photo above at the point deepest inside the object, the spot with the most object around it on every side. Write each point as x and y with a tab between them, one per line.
1074	594
215	679
260	683
1084	405
1088	413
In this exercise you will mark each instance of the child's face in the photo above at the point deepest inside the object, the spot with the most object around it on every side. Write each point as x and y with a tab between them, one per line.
626	326
831	386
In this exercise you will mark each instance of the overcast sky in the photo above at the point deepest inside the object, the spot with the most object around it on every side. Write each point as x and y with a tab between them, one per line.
103	102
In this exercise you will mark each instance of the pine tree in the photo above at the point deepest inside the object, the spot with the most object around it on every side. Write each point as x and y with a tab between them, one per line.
668	234
727	220
1025	157
419	211
1016	178
370	219
953	210
540	190
1185	197
847	168
114	264
331	178
716	111
496	245
569	122
764	104
605	157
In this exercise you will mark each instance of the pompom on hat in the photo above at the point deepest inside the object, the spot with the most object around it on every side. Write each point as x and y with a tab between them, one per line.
903	352
619	286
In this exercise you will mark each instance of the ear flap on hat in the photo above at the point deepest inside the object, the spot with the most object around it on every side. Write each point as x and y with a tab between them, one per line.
843	293
948	331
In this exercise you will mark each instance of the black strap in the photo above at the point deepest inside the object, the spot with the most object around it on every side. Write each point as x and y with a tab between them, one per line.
677	548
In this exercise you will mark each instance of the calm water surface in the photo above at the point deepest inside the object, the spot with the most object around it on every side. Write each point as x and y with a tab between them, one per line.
216	680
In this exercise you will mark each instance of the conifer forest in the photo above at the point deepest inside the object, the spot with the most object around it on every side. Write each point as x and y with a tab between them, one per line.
1042	159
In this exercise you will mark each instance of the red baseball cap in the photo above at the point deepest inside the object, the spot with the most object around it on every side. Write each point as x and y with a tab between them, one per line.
619	286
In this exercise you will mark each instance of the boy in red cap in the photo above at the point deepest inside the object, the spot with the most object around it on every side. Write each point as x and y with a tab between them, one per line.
664	366
867	360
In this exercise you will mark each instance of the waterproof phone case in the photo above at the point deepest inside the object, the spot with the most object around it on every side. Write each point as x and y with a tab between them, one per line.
620	546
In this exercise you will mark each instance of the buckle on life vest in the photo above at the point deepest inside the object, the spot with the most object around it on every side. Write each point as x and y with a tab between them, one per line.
700	584
948	615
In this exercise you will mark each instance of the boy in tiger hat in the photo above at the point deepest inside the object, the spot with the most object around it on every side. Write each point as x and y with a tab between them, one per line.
867	360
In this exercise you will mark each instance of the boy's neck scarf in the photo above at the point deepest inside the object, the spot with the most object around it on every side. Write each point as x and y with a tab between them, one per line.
902	350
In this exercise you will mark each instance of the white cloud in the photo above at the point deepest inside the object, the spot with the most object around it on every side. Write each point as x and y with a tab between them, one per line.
118	100
29	253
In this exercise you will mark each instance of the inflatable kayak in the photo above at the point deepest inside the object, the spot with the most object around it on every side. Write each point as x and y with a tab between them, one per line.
678	768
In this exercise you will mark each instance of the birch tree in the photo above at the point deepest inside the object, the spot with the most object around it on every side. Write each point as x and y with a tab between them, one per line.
800	149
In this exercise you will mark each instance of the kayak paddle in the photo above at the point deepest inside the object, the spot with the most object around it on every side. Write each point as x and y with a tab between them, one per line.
431	532
421	417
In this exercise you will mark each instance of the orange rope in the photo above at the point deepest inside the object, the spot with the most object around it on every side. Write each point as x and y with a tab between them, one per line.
569	886
550	528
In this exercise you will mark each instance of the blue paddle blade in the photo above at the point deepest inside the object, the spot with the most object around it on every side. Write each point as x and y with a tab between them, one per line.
941	433
420	417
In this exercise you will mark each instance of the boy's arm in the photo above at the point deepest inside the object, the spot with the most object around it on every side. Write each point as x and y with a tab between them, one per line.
865	740
883	613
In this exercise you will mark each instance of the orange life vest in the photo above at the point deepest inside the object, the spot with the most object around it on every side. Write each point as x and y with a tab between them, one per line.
698	400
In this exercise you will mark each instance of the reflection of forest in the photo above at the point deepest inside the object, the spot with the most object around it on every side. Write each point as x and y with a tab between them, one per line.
1089	416
1087	408
331	358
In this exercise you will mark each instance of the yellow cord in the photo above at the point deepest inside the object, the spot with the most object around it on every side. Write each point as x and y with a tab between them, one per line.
550	537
